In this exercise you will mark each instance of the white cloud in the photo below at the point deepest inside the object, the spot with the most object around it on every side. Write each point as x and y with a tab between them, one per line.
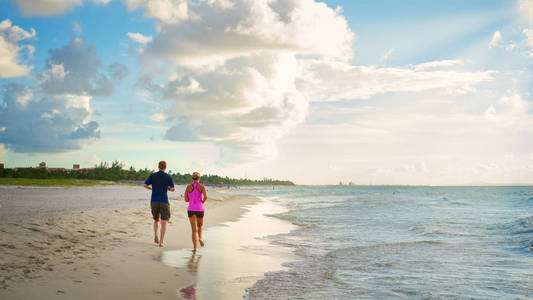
76	27
45	8
529	40
437	64
101	2
10	50
387	55
243	75
54	72
158	117
51	124
400	143
167	11
93	161
76	69
59	117
525	8
220	33
139	38
496	40
333	81
236	66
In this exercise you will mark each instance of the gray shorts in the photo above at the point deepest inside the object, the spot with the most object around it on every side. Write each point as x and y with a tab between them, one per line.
160	209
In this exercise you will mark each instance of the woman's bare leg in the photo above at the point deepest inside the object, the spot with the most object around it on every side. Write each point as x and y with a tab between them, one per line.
199	225
192	220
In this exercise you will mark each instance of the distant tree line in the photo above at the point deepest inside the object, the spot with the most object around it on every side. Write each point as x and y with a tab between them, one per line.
116	172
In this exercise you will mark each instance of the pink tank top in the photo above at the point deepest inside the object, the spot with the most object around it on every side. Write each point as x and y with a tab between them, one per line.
195	199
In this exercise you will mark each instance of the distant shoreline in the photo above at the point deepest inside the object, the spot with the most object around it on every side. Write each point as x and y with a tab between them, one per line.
60	182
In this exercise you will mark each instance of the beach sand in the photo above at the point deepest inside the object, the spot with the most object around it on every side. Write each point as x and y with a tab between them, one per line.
70	249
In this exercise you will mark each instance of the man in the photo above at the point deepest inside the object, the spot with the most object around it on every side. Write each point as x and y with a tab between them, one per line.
161	182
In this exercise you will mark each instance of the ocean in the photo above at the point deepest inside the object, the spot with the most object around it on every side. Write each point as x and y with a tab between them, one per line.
380	242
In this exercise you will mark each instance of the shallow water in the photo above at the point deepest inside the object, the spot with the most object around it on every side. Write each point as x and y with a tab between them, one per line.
403	242
235	256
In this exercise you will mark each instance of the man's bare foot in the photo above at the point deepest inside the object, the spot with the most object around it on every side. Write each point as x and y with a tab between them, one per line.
156	240
201	243
161	245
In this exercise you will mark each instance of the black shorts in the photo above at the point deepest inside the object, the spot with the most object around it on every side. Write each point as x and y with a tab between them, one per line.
160	209
198	214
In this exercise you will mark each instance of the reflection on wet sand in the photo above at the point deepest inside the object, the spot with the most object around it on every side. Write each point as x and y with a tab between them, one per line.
189	292
238	254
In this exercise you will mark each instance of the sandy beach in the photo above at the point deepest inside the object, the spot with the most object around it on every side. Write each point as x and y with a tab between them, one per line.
95	242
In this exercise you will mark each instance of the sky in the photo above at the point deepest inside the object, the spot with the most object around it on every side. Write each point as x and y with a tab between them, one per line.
372	92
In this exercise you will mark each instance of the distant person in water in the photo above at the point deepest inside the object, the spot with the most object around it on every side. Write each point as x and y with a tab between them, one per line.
196	195
161	182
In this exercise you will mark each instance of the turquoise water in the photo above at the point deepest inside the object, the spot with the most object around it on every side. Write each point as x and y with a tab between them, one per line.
402	242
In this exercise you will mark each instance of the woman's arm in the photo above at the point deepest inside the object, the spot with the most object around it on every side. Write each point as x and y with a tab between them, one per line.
186	196
204	194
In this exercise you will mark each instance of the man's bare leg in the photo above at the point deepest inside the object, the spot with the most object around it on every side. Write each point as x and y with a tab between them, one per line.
163	230
199	226
156	226
192	220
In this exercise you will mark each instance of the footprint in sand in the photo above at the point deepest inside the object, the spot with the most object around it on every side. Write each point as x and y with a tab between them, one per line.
60	292
158	292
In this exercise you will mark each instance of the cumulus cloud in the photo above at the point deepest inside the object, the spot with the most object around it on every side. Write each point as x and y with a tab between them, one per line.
244	72
44	124
139	38
54	114
167	11
46	8
75	69
496	39
236	67
333	81
223	32
10	50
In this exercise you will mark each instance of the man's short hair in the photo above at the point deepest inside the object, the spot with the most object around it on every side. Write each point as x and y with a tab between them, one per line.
162	165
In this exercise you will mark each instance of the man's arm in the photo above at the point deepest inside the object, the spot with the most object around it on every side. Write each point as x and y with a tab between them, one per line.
171	184
186	196
204	194
148	182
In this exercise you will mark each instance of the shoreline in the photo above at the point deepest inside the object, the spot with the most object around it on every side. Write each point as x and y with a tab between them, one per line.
102	253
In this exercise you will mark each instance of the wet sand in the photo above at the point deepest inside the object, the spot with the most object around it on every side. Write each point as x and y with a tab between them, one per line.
238	254
74	243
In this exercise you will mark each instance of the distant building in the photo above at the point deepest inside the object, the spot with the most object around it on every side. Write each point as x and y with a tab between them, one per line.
75	167
42	165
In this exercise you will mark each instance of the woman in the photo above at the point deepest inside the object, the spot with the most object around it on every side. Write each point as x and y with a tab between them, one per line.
193	195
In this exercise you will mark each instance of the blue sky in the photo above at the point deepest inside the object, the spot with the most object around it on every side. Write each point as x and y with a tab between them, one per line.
374	92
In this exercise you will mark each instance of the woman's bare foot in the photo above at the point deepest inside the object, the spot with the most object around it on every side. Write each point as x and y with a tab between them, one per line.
161	245
156	240
201	243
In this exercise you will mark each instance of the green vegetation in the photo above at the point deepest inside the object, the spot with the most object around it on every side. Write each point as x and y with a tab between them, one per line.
52	182
115	172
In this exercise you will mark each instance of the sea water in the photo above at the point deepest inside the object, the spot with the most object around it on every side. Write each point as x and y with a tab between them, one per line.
402	242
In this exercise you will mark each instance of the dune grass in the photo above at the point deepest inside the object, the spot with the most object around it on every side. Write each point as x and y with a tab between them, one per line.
53	182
